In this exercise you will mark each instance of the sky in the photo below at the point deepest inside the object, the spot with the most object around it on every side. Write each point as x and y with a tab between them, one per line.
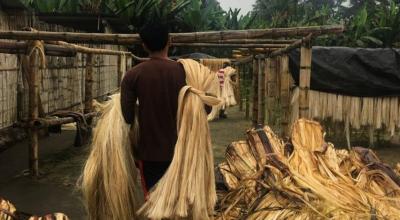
244	5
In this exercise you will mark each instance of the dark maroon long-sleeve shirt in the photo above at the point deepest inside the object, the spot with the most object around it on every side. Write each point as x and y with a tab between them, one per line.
156	84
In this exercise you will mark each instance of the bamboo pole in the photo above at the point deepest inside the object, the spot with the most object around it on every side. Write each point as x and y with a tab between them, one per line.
239	87
33	82
251	41
82	49
89	84
217	45
285	94
261	94
305	78
293	46
247	93
271	82
119	70
129	39
255	93
22	47
47	122
244	60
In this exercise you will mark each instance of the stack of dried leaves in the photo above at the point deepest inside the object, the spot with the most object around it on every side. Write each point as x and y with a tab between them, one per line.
305	178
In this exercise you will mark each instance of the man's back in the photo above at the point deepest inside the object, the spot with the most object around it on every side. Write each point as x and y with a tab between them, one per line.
156	84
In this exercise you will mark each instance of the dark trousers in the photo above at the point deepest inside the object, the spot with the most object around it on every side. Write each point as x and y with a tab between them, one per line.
151	172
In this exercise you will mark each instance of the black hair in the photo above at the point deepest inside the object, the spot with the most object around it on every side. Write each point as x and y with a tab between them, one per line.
226	64
155	35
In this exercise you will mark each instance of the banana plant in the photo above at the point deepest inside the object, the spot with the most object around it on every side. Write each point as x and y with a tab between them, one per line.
202	15
52	6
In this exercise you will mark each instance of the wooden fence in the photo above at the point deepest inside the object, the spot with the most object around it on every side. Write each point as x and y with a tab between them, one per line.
62	82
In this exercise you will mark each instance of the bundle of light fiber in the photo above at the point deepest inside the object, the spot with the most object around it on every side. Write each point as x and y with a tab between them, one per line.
228	92
9	212
215	89
215	65
308	178
187	189
376	112
108	181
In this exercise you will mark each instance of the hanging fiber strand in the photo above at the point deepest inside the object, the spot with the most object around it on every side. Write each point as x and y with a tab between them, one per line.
108	182
377	112
228	92
215	65
187	189
215	89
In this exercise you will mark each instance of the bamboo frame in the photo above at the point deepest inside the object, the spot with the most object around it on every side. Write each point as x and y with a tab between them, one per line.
255	93
285	94
251	41
119	70
21	48
89	84
216	45
239	87
271	84
295	45
244	60
33	82
261	94
82	49
47	122
247	106
129	39
305	78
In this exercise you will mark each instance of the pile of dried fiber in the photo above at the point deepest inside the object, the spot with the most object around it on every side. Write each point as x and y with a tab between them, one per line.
305	178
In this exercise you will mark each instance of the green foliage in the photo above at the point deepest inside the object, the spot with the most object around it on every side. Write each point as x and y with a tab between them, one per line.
369	23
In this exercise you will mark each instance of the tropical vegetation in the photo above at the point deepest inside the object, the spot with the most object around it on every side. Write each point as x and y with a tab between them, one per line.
369	23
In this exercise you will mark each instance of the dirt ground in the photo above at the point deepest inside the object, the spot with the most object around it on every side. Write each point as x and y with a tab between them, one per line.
61	164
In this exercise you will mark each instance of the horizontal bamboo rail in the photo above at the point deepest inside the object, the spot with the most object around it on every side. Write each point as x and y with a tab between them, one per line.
21	48
47	122
88	50
216	45
243	60
129	39
251	41
287	49
295	45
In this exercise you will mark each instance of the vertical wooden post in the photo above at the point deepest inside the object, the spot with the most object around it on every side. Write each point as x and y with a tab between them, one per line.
285	94
239	87
305	78
247	96
371	136
89	84
119	70
255	92
271	82
33	82
261	94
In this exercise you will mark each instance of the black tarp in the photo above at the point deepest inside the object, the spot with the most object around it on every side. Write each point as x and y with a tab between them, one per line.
352	71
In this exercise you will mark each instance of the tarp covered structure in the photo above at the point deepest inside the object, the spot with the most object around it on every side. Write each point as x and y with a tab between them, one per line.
362	72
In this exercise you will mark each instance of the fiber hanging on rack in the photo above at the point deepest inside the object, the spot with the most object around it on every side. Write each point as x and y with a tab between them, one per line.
377	112
228	91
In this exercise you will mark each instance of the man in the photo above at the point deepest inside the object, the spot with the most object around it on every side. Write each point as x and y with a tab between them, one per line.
155	84
221	77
